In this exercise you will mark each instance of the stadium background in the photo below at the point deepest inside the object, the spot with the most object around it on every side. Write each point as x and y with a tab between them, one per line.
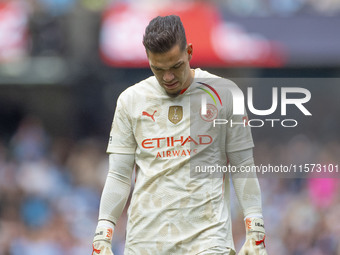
63	64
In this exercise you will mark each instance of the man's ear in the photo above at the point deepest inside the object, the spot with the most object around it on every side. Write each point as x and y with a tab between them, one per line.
189	50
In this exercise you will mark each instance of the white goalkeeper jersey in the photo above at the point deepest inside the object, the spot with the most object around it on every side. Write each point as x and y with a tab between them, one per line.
178	206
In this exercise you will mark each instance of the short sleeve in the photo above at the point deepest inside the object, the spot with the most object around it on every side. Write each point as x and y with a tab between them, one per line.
122	138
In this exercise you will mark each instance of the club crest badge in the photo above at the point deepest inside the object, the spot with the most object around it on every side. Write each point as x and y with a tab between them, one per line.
211	113
175	114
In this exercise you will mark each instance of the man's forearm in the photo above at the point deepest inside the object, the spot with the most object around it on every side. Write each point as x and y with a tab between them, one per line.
246	185
117	187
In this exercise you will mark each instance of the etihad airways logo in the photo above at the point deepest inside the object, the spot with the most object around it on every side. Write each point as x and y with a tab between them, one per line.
161	142
169	143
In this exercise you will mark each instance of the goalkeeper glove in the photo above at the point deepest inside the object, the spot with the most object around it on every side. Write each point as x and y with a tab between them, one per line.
255	236
102	239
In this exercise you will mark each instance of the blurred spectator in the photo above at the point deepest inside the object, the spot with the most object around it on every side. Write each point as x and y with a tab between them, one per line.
30	141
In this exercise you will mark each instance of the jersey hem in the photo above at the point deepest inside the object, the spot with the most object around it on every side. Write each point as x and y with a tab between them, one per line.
129	251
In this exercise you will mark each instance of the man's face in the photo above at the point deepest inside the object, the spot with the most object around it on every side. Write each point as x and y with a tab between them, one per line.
172	69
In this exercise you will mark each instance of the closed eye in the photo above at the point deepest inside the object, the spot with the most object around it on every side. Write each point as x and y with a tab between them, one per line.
156	68
178	65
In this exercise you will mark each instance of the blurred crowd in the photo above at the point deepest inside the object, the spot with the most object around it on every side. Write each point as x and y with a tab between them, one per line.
71	28
50	191
237	7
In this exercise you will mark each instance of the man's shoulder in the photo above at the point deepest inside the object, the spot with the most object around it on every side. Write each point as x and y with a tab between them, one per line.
146	86
213	78
205	74
149	82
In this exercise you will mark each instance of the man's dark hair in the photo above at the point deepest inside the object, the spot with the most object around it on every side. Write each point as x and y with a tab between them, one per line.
163	33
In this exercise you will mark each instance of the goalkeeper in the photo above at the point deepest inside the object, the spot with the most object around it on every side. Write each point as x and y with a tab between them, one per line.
172	211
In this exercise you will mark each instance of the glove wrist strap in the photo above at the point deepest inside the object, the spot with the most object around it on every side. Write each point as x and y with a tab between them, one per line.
254	225
104	232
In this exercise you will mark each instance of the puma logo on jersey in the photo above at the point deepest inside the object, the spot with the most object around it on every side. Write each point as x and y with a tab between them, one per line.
149	115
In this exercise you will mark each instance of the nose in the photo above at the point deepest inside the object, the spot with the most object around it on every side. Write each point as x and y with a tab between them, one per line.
168	76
